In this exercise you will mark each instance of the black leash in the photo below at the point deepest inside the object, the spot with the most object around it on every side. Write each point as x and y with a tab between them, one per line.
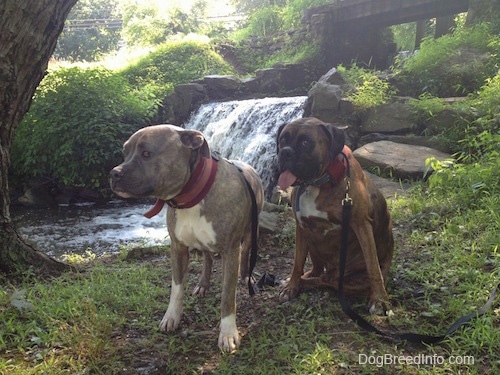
255	227
363	323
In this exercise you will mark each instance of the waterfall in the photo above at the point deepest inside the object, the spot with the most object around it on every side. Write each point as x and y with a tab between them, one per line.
246	130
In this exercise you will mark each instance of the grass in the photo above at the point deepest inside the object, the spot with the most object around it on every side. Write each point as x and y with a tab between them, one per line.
104	320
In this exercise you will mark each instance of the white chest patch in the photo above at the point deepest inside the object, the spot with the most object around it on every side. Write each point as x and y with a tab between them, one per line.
307	204
193	229
309	209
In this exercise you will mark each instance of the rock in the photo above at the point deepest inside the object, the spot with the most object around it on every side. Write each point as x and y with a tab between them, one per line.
408	139
292	76
220	86
325	98
323	101
332	77
387	118
250	85
40	195
401	160
178	106
268	221
282	77
390	189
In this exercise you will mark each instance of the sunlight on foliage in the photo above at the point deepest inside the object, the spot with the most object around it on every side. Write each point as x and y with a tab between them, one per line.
76	125
368	90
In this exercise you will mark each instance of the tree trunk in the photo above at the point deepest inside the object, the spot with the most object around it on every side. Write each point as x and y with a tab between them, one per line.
28	36
482	10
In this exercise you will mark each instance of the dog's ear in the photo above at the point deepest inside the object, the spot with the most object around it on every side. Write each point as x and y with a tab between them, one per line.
336	136
195	140
280	129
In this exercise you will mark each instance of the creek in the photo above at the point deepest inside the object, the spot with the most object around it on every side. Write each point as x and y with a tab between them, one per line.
244	130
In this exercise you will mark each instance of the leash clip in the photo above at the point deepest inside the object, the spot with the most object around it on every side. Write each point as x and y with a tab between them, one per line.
347	201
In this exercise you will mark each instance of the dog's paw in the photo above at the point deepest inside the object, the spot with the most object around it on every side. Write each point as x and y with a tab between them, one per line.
170	321
289	291
381	308
229	337
200	291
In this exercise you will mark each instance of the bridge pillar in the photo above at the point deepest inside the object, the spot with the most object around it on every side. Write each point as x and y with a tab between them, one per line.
444	25
367	45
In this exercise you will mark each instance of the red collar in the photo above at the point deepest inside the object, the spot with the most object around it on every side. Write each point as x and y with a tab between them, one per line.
338	166
194	191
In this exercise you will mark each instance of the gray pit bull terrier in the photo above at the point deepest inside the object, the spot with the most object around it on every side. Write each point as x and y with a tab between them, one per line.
209	210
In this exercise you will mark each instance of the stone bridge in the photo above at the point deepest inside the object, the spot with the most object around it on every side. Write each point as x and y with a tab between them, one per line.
348	30
343	13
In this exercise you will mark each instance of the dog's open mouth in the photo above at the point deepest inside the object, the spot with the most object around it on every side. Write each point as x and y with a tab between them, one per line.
286	179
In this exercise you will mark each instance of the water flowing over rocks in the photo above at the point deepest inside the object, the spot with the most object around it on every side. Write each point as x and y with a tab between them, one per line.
247	129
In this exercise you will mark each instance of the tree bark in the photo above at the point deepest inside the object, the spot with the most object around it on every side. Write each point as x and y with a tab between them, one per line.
28	36
482	10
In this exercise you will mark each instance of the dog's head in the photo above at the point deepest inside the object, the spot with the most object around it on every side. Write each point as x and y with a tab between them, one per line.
158	162
305	148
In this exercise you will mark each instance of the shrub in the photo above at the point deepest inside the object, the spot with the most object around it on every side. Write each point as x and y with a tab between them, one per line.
476	131
262	22
452	65
76	126
173	63
482	136
368	90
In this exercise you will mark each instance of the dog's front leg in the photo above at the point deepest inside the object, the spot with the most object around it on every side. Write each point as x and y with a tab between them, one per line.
180	262
292	289
229	338
204	283
379	301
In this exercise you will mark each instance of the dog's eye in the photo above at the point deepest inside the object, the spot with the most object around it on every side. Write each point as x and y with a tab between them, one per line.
305	144
146	154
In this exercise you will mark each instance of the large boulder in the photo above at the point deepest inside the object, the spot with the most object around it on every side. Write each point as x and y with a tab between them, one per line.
281	78
323	101
325	97
409	139
400	160
178	106
220	86
395	117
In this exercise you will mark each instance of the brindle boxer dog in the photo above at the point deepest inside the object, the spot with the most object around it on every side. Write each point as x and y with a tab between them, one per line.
210	210
311	157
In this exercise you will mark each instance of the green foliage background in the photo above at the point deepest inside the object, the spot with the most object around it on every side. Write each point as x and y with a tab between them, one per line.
437	70
74	130
80	116
173	63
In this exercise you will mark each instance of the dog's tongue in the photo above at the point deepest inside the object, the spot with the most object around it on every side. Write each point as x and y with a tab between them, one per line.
286	179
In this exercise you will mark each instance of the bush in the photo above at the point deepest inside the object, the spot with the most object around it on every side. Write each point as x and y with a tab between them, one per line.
263	22
368	90
482	136
476	131
76	126
173	63
452	65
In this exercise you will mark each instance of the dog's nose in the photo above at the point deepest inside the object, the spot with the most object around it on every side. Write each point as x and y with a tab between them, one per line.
286	153
116	173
